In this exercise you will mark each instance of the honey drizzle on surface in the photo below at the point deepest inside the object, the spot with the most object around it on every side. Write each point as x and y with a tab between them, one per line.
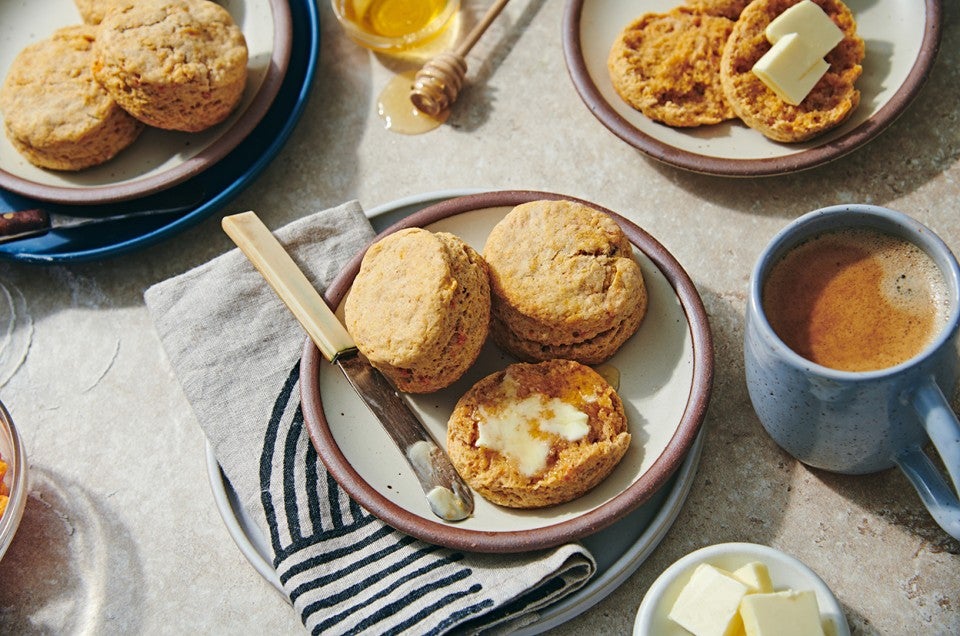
398	112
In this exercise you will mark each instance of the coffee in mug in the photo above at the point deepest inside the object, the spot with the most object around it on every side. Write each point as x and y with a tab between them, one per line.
856	299
851	348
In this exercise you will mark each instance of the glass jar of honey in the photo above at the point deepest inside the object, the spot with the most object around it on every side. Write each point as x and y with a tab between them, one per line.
395	26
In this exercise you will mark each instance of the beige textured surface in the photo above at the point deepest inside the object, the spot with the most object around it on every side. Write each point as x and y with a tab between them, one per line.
120	533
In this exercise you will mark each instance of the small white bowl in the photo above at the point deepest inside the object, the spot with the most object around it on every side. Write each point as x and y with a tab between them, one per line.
785	572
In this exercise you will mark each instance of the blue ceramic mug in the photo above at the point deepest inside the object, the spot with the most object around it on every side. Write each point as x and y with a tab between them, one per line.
858	422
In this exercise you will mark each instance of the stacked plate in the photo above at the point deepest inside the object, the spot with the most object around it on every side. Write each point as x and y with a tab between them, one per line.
163	169
666	372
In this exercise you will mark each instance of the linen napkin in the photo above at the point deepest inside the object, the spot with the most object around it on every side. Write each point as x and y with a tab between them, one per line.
235	349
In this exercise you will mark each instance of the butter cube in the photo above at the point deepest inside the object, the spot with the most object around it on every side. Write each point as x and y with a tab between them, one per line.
756	576
790	68
790	613
809	21
709	604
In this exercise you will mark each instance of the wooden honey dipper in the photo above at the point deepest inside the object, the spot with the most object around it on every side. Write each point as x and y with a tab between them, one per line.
437	84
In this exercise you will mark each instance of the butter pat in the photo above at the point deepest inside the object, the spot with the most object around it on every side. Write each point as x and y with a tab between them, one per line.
801	36
756	576
522	430
809	21
790	613
709	604
782	69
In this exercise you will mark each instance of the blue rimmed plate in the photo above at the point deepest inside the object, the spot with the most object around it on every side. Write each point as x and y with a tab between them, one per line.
211	189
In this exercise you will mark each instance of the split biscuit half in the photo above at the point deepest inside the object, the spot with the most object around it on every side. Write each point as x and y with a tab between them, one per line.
667	66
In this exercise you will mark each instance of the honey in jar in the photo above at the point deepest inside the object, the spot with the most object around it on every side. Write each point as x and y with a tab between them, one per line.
394	25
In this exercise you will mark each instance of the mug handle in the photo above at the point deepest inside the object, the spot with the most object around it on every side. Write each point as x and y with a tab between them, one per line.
941	424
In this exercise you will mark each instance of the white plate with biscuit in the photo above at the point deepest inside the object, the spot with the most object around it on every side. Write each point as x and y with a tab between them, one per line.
897	62
158	159
665	372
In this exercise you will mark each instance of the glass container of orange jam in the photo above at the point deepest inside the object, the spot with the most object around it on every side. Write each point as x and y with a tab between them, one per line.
395	26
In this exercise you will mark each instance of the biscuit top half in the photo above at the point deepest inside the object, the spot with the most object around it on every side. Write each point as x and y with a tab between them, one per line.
563	261
50	89
399	307
174	41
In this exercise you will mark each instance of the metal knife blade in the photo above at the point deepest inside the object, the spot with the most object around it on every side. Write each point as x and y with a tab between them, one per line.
449	497
22	224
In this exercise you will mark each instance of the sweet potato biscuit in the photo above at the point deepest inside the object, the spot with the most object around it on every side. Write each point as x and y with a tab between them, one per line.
173	64
726	8
666	65
93	11
55	114
537	435
419	308
563	282
829	103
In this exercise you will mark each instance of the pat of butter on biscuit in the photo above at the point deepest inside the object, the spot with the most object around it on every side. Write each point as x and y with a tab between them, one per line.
789	613
518	431
783	68
809	21
801	36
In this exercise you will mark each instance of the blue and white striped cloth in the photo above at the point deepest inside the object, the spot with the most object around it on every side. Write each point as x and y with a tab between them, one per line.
235	349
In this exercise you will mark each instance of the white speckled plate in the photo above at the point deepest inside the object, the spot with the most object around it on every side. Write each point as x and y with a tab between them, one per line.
902	39
665	370
158	159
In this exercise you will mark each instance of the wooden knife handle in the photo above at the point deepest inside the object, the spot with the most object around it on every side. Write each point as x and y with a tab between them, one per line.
13	223
289	282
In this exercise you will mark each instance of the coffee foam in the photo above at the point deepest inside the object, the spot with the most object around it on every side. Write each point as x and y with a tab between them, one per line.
856	299
911	281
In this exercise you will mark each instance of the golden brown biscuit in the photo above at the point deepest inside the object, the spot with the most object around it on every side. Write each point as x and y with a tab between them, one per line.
55	113
419	308
563	282
93	11
666	65
537	435
829	103
173	64
726	8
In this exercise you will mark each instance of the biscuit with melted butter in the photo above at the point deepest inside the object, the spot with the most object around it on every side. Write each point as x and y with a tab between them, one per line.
667	66
831	101
419	308
564	283
536	435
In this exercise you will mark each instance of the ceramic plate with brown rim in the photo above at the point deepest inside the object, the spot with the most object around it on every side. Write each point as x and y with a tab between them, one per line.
158	159
665	372
902	39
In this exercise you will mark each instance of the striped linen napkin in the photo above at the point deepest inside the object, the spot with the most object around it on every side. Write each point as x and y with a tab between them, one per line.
235	349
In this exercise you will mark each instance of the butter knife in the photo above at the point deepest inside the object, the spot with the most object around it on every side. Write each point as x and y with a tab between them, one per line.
23	224
449	497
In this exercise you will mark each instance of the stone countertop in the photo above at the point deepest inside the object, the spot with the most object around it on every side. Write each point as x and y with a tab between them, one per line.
120	532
